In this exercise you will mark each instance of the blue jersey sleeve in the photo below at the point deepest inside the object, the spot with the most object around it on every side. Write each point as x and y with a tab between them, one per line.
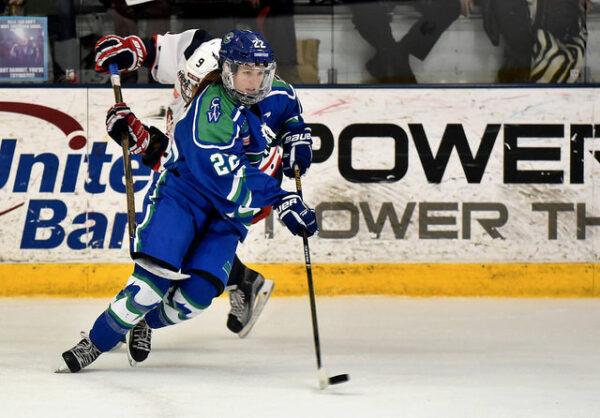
282	111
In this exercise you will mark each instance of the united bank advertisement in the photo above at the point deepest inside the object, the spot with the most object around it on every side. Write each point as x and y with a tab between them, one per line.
399	176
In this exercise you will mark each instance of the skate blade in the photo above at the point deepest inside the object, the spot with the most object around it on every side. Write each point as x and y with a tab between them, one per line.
62	368
263	297
132	362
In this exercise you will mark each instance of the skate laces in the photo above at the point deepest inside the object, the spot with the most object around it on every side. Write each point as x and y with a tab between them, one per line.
85	352
141	336
246	294
238	303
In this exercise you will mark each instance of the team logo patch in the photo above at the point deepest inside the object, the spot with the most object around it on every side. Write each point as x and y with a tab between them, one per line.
267	133
227	268
214	114
227	38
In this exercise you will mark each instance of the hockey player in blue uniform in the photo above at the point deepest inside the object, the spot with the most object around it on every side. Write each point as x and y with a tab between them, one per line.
203	202
183	59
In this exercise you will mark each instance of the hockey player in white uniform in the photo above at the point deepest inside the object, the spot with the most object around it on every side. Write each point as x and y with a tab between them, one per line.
183	60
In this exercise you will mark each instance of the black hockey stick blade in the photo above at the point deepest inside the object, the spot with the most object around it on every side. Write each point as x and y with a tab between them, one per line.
325	380
340	378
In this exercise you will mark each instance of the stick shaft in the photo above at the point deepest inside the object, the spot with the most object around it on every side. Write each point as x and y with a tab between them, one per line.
311	290
115	80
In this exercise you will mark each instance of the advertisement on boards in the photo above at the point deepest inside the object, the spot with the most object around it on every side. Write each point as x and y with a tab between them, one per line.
399	176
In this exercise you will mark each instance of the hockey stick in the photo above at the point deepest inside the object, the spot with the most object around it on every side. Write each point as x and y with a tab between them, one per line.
324	380
115	80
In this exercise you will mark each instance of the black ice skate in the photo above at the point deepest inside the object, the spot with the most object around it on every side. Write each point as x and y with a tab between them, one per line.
139	343
80	356
247	302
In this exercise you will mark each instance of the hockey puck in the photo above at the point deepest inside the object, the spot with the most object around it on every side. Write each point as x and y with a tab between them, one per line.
340	378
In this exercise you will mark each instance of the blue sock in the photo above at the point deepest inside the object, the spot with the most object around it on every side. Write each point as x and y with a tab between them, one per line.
106	332
155	320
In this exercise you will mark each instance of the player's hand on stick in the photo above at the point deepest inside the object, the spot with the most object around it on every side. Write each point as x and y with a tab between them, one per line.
121	119
294	213
128	53
297	150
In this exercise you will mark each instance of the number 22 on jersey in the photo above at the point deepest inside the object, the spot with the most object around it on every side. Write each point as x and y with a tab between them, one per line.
224	165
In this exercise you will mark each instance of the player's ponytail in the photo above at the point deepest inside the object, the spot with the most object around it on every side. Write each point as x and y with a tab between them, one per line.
214	77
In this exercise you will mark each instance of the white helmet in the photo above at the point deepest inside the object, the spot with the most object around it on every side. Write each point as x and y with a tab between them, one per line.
204	60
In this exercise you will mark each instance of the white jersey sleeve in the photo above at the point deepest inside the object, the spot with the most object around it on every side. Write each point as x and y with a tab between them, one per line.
172	51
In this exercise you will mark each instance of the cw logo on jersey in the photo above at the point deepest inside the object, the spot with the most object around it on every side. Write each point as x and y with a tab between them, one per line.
214	114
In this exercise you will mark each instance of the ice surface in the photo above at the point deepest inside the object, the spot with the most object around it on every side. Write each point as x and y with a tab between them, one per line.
407	357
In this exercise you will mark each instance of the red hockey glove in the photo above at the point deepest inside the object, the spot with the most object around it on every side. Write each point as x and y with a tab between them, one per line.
120	119
128	53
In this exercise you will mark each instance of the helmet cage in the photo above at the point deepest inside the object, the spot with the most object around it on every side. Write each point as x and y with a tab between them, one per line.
186	86
230	68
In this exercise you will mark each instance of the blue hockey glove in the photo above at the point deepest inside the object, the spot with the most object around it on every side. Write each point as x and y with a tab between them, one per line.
297	149
294	213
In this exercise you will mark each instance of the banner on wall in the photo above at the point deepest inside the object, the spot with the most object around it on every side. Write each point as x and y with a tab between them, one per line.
23	51
399	176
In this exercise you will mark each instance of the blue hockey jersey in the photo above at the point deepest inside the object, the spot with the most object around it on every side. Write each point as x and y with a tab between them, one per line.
220	143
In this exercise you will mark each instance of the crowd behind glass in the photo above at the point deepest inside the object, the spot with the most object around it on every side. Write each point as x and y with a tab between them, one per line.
538	41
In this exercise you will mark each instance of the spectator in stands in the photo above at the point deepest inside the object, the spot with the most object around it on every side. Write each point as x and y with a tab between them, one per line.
557	34
543	41
64	49
510	20
390	64
436	17
560	41
156	15
13	7
372	20
274	19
